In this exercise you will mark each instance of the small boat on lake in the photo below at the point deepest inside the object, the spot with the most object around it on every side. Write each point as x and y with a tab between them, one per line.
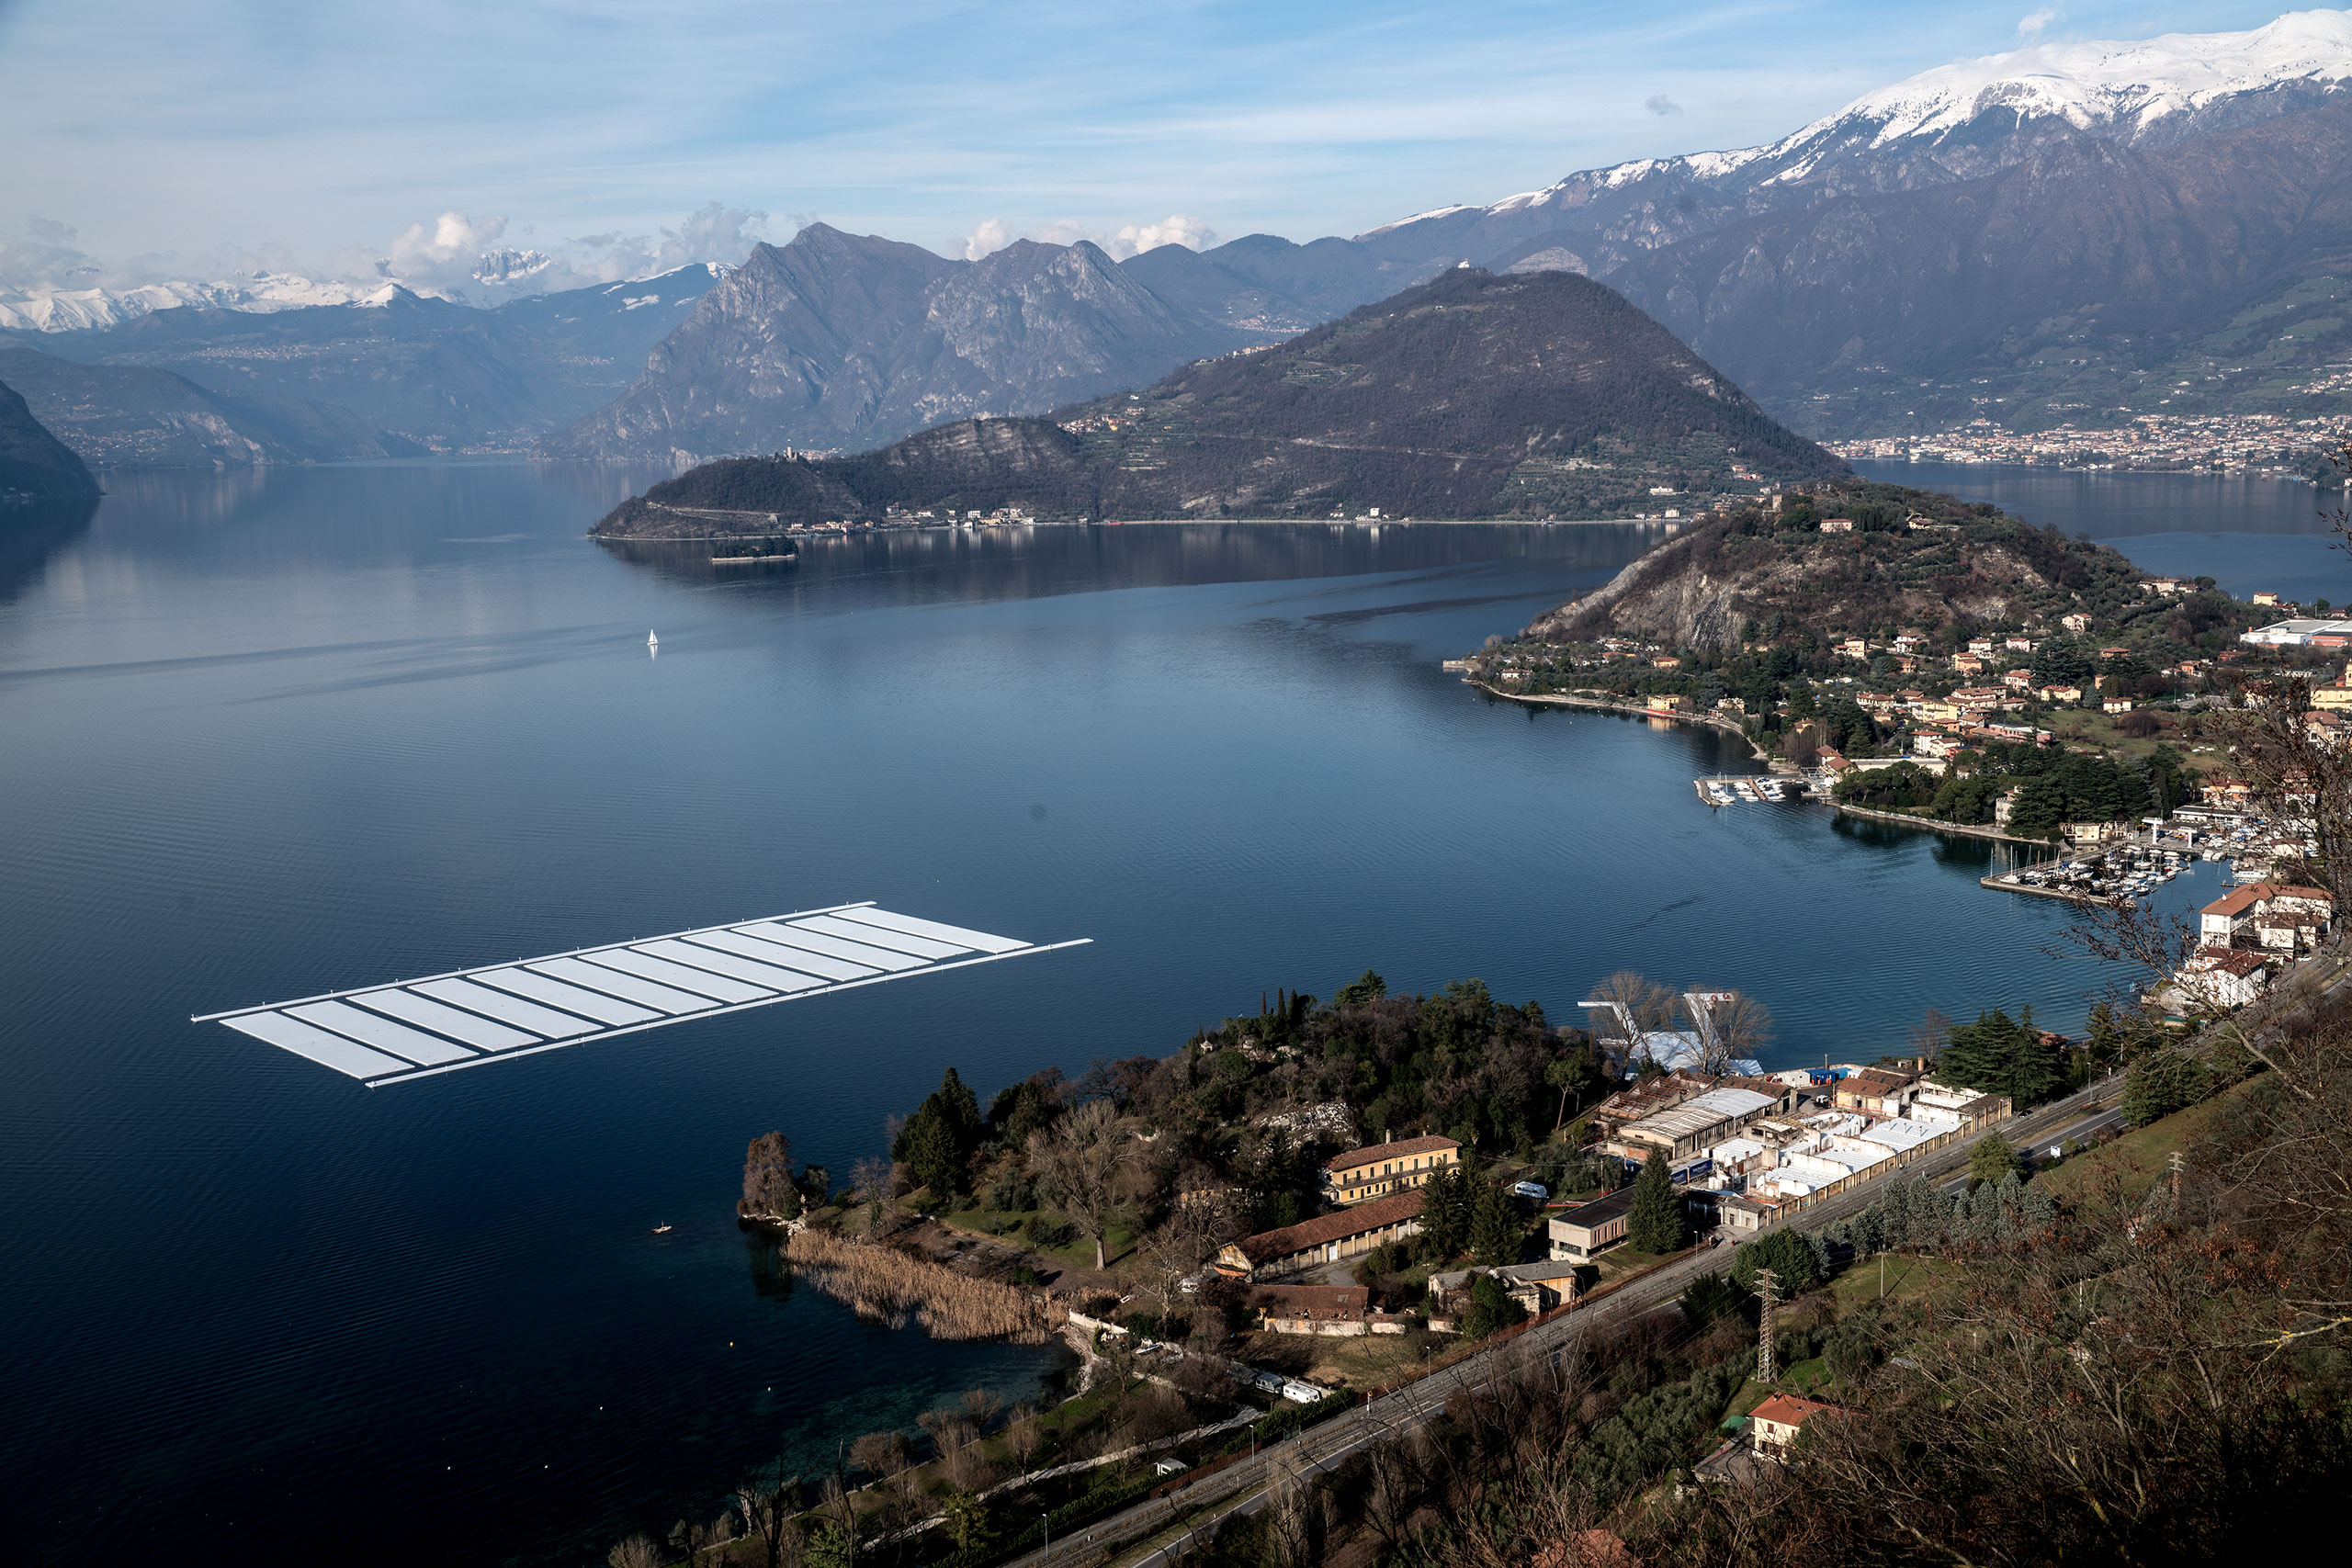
661	1230
652	641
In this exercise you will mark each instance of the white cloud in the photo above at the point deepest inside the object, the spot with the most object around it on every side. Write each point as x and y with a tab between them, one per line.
1176	229
987	239
441	257
2032	24
1658	103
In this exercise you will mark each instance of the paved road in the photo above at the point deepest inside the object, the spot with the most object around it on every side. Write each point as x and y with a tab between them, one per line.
1168	1525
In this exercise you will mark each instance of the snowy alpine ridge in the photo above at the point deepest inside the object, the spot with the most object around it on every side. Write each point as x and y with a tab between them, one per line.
1970	118
47	309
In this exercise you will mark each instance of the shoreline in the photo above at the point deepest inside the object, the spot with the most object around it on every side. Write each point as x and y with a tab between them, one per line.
1966	829
1555	700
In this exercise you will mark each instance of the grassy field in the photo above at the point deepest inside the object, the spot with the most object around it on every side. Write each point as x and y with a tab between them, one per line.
2136	1161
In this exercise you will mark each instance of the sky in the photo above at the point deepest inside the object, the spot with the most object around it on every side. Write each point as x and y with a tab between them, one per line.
152	139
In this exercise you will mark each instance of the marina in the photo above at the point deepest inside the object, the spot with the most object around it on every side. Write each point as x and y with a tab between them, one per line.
2134	870
1730	789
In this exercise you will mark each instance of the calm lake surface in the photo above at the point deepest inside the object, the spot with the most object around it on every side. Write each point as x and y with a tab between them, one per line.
263	736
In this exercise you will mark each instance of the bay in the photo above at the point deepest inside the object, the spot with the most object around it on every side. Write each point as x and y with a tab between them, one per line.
2248	534
270	733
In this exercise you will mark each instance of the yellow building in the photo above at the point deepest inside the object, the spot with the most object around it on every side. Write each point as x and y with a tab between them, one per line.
1379	1169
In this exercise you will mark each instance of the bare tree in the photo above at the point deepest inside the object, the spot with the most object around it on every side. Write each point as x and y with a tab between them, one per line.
1928	1036
1184	1242
1082	1160
1395	1486
871	1177
772	1511
982	1405
1630	1009
1732	1027
1023	1435
640	1550
880	1454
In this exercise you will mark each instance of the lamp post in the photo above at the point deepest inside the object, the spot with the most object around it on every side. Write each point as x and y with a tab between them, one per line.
1047	1521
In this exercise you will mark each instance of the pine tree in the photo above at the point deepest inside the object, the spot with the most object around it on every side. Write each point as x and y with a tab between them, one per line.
1495	1235
1445	1219
1655	1223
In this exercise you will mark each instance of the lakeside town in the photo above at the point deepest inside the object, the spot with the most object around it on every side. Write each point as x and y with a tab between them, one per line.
2265	445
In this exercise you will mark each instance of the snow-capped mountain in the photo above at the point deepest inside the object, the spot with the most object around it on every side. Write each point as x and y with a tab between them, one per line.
49	310
1961	122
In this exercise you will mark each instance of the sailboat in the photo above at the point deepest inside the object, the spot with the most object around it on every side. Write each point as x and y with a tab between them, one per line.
652	641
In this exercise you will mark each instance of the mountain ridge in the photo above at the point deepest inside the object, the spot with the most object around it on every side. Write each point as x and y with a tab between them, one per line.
1471	395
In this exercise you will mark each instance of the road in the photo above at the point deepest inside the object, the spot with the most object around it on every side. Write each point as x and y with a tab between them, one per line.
1167	1526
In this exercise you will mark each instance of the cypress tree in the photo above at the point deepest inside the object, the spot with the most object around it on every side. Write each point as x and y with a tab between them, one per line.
1655	1223
1445	1211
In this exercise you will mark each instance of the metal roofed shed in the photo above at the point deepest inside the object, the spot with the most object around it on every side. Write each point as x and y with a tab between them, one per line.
414	1029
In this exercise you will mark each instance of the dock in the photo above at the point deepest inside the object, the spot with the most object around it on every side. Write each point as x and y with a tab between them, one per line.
1729	787
2006	882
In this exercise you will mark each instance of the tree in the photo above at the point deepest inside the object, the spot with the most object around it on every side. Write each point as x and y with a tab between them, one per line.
1023	1435
1992	1158
969	1522
1446	1201
871	1177
769	1191
1655	1223
1082	1161
1732	1027
640	1550
1786	1253
1491	1307
1929	1037
938	1139
1366	988
1495	1234
772	1513
1631	1009
2162	1082
1710	1297
1571	1075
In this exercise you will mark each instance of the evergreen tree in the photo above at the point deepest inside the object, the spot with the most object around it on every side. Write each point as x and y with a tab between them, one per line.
1445	1212
1656	1222
939	1138
1992	1158
2162	1082
2037	1210
1786	1253
2007	1200
1495	1234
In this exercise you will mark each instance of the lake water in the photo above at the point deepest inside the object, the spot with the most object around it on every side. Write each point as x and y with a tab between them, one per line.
263	736
2246	533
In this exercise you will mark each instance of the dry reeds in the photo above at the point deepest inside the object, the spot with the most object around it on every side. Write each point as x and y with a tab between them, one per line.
882	1285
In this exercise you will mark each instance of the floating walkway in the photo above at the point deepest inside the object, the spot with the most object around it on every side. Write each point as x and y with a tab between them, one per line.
415	1029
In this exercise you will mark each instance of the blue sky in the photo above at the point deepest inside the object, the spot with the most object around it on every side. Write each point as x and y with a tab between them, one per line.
317	133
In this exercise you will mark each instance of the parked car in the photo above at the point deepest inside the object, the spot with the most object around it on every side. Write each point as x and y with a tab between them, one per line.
1534	1190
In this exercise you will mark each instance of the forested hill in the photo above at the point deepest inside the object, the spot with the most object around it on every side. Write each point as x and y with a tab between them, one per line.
34	465
1911	559
1474	395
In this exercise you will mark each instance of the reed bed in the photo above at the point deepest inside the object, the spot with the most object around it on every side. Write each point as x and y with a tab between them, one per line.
882	1285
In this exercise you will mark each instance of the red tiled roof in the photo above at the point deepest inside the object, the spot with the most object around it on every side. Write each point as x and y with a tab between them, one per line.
1324	1228
1792	1409
1400	1148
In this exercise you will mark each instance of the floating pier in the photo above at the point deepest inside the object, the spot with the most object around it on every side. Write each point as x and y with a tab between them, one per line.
414	1028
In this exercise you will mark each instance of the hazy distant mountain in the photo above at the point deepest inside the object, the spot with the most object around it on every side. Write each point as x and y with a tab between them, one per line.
396	375
840	339
1472	395
144	416
35	467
